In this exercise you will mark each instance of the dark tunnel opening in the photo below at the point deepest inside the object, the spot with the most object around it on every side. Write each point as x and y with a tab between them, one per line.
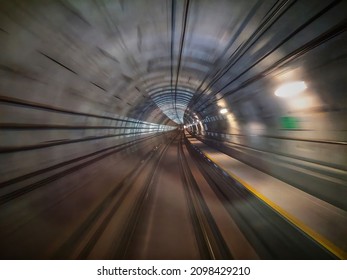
178	129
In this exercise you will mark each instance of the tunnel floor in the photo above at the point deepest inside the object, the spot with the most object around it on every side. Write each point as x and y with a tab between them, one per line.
157	198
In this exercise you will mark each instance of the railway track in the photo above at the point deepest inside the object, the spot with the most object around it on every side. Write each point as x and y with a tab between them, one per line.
205	232
210	241
120	220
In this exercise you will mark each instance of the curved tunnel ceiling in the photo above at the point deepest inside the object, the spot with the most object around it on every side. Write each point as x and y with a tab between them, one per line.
153	60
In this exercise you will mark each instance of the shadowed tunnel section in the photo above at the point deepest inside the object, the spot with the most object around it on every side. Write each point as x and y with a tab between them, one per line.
173	129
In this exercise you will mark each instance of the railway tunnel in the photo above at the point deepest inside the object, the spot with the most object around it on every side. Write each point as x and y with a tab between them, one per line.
173	129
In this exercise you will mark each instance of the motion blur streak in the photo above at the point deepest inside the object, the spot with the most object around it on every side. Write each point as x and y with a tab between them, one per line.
173	129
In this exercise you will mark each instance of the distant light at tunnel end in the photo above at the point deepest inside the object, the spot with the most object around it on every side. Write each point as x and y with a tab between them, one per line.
290	89
223	111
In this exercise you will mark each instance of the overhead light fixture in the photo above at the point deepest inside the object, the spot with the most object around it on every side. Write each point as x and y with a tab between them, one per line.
223	111
290	89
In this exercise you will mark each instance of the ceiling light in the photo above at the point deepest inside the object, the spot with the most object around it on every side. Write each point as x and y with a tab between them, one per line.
223	111
290	89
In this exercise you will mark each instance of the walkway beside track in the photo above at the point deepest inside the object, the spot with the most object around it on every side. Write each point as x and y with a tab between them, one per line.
320	220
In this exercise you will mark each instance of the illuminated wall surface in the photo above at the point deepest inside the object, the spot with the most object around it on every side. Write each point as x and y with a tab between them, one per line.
107	109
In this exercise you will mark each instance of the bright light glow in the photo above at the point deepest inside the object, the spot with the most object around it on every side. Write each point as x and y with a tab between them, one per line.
290	89
223	111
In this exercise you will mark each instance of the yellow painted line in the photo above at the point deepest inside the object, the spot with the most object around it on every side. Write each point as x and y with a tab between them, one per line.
310	232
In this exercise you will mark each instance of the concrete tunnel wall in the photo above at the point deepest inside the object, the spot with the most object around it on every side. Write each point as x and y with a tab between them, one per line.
81	76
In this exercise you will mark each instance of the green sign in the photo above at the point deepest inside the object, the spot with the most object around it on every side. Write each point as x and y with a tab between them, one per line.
289	122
